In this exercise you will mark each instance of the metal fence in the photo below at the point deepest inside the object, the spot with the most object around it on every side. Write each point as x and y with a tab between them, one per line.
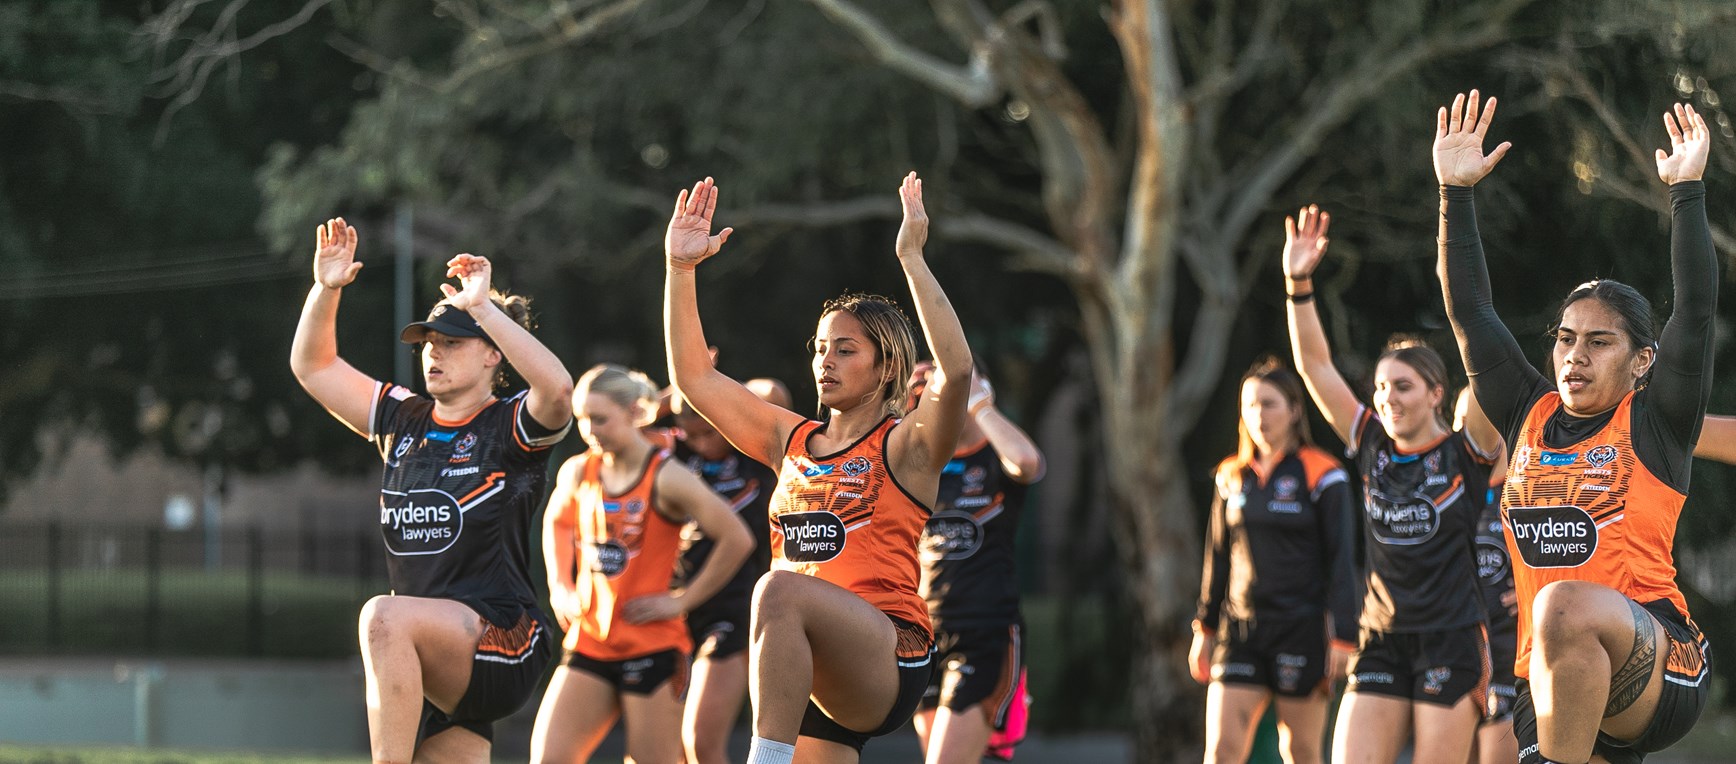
129	589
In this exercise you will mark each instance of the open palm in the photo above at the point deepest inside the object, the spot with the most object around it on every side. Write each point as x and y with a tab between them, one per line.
688	242
1305	241
1458	150
334	255
1690	143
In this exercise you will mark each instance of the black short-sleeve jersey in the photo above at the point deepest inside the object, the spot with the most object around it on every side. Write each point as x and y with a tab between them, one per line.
1419	520
968	575
746	485
457	500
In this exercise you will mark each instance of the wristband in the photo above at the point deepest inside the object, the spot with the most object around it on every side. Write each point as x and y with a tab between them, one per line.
1300	299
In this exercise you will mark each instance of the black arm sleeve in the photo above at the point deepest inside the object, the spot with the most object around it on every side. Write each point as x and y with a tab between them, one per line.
1215	579
1681	383
1337	525
1501	378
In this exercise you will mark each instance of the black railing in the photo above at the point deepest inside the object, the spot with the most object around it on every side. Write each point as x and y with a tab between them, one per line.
108	589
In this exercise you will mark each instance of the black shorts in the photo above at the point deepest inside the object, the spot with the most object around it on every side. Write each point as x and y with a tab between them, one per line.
1687	683
915	656
1286	656
977	666
720	631
643	675
1436	667
505	671
1503	645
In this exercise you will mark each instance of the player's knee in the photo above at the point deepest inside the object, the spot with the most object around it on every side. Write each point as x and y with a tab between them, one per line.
378	620
775	598
1565	611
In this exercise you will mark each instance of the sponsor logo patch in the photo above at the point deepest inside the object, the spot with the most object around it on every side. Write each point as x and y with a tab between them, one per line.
1491	561
1557	459
608	558
1435	679
812	536
422	521
1553	537
951	535
1401	521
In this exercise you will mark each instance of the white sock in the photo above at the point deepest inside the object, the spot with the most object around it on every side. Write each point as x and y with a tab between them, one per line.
763	751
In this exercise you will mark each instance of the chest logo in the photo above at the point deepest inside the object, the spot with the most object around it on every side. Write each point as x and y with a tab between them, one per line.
608	558
857	466
419	522
1401	520
951	535
1553	537
811	536
1286	488
1491	561
1601	455
464	448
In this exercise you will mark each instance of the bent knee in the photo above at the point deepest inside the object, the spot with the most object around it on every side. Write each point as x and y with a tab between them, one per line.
1569	611
378	618
776	594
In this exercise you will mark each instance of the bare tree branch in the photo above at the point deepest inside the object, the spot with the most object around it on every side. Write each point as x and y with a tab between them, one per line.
187	74
973	85
69	98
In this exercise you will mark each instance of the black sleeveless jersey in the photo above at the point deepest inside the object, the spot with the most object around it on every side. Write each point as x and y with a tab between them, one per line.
746	485
1420	514
457	500
968	576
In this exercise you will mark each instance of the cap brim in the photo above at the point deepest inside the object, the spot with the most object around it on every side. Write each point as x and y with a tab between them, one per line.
414	332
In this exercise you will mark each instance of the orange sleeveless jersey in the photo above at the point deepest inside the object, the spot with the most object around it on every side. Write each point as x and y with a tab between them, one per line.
843	518
1591	512
624	550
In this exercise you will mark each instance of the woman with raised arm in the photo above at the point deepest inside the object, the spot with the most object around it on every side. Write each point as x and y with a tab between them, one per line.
1611	667
1277	608
975	704
1421	667
842	647
460	642
611	539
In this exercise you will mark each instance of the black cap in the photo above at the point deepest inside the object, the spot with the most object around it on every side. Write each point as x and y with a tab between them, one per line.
446	320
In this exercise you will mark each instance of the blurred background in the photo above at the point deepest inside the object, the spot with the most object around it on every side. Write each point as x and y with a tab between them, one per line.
185	537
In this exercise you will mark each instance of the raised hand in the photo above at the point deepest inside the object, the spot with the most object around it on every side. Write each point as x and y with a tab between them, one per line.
334	254
913	232
688	242
1459	131
1305	241
1690	142
473	274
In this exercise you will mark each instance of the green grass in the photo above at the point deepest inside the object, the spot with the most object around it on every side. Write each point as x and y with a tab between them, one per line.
207	614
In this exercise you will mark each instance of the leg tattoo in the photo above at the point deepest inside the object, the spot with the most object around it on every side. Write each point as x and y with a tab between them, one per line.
1631	680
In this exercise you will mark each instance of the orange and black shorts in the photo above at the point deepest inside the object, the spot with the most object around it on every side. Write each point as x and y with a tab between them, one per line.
642	675
915	657
1687	688
977	666
1436	667
504	673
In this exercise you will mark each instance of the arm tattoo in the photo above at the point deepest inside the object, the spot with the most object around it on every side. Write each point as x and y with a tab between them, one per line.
1631	680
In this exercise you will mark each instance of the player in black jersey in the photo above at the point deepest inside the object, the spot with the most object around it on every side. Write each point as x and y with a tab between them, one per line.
1610	664
721	626
459	643
1279	584
975	705
1495	743
1421	667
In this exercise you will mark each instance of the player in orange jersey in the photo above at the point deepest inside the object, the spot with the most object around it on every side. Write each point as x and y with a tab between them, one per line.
1611	666
611	539
842	647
